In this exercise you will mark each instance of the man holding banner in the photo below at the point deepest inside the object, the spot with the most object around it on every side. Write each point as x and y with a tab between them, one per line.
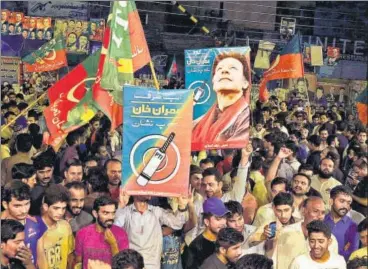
228	119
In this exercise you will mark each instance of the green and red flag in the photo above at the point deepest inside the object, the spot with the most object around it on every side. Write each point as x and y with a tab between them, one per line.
50	56
124	51
71	102
173	71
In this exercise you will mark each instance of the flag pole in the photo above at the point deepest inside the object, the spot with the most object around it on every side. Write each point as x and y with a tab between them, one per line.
157	85
24	111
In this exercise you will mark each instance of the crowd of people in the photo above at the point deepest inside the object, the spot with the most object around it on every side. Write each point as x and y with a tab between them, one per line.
295	197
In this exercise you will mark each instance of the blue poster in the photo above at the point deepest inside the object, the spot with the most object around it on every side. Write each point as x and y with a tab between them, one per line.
157	139
221	81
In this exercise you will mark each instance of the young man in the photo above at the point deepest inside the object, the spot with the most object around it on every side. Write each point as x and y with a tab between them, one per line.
291	240
265	214
203	246
102	240
16	200
227	250
14	253
300	186
143	222
24	172
282	206
73	171
75	215
363	234
44	168
342	227
314	157
319	257
56	246
235	220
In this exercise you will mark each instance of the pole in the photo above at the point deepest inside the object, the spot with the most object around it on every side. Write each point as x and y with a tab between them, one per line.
24	111
157	85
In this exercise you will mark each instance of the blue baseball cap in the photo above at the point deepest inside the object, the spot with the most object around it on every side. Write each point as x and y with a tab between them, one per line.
215	206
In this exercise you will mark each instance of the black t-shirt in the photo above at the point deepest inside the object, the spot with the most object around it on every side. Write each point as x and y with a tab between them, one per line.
213	262
199	250
314	159
14	264
361	191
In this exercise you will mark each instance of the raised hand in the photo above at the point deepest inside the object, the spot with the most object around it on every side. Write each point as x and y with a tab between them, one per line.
284	153
123	198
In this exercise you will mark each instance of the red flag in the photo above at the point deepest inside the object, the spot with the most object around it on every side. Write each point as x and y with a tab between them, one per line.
289	64
66	95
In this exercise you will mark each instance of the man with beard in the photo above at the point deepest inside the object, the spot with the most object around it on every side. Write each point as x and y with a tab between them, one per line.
102	240
228	250
343	227
44	168
300	186
203	246
112	169
56	246
291	240
323	182
143	223
16	199
319	239
75	215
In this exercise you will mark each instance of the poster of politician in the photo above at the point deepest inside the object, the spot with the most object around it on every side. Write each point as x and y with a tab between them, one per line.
221	81
157	136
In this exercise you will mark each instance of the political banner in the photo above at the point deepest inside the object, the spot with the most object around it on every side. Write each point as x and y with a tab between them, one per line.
10	70
221	81
157	137
60	9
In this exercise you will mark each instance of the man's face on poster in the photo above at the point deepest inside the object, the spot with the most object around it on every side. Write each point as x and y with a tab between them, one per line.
301	86
46	23
229	81
32	23
4	16
18	17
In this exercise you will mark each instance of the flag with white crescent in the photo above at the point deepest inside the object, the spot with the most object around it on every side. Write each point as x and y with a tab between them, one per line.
50	56
71	103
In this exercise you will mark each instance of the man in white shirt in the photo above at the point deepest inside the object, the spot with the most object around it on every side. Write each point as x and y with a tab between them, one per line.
235	220
143	222
319	257
212	184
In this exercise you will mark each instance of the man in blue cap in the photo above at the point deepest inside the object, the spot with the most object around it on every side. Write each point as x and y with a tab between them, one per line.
203	246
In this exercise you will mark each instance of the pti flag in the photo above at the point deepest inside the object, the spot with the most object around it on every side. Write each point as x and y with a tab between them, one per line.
49	57
71	103
124	51
289	64
173	71
127	50
157	141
